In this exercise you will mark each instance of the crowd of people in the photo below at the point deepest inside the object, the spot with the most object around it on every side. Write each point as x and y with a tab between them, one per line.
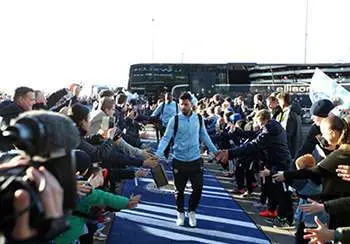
258	146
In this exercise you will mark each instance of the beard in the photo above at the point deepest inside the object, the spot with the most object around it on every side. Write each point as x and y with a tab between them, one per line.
186	112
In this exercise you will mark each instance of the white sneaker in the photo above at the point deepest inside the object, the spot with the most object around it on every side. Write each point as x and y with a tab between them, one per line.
100	236
192	219
180	221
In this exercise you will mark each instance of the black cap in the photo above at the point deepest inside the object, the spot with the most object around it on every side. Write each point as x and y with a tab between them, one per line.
321	108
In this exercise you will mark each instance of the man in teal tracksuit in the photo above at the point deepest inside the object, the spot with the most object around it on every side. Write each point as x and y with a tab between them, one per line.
166	110
186	129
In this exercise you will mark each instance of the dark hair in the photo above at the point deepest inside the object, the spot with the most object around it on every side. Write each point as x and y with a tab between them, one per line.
21	92
78	112
92	171
212	109
228	99
341	125
186	96
121	98
105	93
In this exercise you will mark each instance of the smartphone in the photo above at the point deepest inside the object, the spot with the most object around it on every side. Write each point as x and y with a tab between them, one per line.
117	134
105	123
322	141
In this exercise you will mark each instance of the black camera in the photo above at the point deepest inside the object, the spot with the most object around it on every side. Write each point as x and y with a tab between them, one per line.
35	139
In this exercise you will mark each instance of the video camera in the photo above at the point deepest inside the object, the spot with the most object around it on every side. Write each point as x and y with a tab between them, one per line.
37	137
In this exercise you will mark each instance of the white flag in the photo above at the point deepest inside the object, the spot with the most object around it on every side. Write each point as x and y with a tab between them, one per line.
323	87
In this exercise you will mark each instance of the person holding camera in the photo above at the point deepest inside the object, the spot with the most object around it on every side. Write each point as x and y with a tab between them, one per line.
187	162
38	182
51	197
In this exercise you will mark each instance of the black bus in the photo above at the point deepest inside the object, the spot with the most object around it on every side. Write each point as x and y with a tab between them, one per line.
231	79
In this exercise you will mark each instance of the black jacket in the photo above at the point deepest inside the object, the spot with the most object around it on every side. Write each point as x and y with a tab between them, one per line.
293	130
310	142
5	103
276	111
132	135
119	117
105	151
273	140
98	153
333	186
40	106
10	111
339	207
53	99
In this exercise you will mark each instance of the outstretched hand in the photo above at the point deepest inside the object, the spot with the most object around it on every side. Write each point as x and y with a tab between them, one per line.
319	235
141	173
312	207
150	163
344	172
133	201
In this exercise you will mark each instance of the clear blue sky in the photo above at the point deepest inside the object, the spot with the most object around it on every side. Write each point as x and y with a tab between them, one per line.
48	44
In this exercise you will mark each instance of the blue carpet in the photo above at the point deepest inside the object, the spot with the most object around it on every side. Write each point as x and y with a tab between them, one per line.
220	220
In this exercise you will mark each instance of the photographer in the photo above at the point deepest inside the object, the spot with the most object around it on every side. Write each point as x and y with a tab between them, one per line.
38	183
51	197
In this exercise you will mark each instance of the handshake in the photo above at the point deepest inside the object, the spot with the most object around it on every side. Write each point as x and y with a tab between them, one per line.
222	156
150	161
